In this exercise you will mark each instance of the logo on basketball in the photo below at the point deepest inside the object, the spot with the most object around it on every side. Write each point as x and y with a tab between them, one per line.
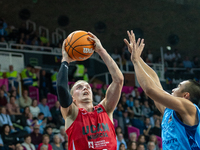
88	50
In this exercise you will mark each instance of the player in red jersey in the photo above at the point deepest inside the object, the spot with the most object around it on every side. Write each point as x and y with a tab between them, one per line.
89	127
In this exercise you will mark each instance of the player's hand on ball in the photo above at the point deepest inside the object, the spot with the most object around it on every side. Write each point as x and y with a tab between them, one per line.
65	56
97	42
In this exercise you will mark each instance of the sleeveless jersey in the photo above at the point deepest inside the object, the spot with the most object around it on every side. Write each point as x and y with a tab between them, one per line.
178	136
92	131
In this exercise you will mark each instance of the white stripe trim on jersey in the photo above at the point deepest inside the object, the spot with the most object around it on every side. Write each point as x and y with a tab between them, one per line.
74	146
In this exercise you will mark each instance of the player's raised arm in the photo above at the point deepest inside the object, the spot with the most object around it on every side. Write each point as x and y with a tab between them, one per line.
114	90
181	105
152	74
64	95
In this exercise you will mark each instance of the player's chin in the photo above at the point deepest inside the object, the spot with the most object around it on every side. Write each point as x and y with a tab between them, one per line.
87	100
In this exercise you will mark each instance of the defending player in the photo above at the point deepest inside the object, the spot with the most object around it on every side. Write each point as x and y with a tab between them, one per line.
89	127
181	116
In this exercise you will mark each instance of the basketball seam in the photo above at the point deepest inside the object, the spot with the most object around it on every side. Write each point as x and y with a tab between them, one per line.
78	38
76	50
68	43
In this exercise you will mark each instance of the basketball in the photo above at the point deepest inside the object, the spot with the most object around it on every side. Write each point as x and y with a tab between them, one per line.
78	47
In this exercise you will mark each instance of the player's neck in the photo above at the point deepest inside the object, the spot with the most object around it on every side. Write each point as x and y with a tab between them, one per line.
87	106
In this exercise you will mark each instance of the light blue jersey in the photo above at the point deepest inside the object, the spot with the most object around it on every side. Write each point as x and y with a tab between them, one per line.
178	136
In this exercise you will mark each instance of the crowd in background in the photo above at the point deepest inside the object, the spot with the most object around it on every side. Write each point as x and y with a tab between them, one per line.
25	36
29	124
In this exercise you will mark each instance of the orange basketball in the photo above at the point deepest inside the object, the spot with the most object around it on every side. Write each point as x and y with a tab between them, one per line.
78	47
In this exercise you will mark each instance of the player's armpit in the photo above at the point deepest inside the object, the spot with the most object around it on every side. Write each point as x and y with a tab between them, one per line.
71	111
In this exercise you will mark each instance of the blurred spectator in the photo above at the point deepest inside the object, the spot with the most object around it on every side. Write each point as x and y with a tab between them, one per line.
94	88
35	41
85	75
34	109
31	122
12	33
132	146
129	101
6	93
36	137
1	73
126	122
122	146
126	55
116	56
104	88
21	42
5	119
154	118
27	76
45	143
141	147
8	139
25	100
168	58
154	139
45	109
57	145
195	62
132	137
41	122
120	139
137	94
34	77
79	73
123	102
15	94
137	111
54	79
2	40
22	29
98	97
18	146
151	146
118	130
43	38
150	56
147	126
156	130
65	145
27	40
50	133
141	140
187	63
146	109
13	109
62	134
3	99
118	114
27	145
176	56
3	27
26	111
44	84
56	115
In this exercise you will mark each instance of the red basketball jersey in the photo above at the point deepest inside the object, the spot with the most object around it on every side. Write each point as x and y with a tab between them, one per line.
92	131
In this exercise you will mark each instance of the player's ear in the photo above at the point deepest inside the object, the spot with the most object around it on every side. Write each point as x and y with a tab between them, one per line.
186	95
